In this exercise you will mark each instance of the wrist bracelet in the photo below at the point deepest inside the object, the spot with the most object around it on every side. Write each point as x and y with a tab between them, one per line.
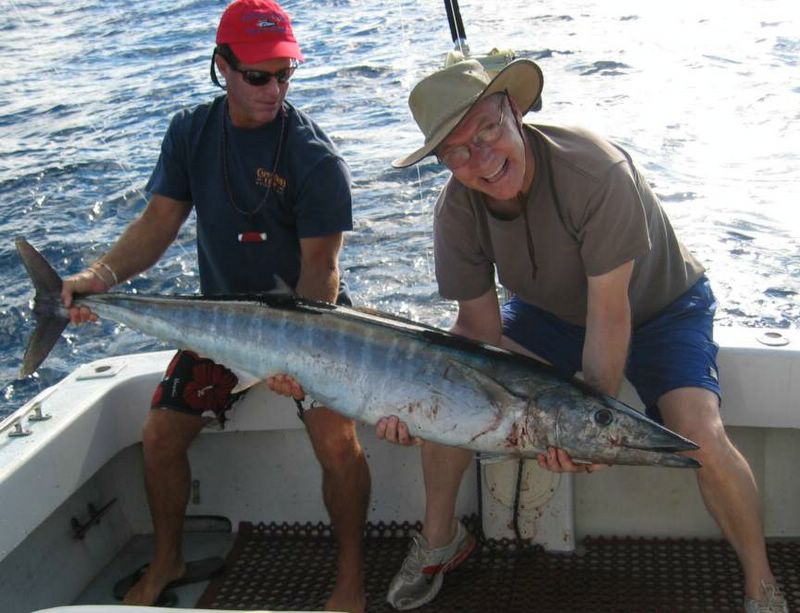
94	271
109	269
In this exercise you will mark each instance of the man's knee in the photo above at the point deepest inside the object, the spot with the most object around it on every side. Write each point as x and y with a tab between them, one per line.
334	439
715	446
444	458
169	432
694	413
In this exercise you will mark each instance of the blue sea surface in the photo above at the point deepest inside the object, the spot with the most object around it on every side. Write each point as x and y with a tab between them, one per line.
706	97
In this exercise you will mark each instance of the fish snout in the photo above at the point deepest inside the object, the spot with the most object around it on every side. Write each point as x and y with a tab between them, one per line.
657	438
630	437
645	441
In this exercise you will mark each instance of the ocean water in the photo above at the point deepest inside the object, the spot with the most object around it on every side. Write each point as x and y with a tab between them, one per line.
705	96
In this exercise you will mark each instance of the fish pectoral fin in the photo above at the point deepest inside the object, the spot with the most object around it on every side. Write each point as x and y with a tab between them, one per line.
497	393
492	458
244	380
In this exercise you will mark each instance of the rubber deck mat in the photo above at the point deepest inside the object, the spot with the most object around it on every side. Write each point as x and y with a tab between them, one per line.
290	567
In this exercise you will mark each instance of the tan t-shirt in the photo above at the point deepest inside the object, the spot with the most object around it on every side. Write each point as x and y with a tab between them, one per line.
602	215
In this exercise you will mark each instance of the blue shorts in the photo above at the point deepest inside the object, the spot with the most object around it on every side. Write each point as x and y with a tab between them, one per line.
674	349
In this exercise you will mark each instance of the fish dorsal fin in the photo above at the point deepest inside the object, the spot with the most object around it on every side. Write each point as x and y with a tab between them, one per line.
396	318
282	289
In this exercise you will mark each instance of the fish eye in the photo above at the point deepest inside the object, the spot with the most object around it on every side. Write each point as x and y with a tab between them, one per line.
603	417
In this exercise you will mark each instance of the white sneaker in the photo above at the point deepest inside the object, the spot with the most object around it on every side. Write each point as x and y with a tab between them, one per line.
772	601
420	577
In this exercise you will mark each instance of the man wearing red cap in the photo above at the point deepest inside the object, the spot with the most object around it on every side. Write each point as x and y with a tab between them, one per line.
272	200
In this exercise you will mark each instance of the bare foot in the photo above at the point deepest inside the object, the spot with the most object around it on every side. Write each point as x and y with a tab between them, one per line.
152	583
353	604
348	594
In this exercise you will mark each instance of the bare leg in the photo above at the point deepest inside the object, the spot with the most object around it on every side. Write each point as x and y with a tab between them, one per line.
443	468
345	490
166	439
726	481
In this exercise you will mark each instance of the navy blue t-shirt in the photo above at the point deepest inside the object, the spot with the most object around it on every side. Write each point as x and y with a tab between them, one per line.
309	193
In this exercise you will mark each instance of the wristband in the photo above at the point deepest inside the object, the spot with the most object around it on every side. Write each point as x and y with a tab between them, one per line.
110	270
99	276
302	408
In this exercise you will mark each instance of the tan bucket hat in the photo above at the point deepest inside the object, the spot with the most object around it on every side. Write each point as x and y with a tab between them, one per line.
440	101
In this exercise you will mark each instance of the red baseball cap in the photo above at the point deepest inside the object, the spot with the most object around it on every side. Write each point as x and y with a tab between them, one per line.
257	30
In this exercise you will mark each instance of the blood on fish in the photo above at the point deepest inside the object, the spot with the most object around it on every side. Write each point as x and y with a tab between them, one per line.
513	437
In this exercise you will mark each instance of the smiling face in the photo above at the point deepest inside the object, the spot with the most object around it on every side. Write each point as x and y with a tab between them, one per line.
500	166
252	106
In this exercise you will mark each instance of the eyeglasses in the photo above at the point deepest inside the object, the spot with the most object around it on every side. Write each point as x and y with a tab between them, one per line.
259	78
256	78
459	156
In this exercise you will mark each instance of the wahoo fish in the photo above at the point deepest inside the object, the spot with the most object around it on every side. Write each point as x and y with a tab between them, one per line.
367	365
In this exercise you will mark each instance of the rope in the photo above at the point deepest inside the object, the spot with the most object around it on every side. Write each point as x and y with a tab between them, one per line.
515	516
479	473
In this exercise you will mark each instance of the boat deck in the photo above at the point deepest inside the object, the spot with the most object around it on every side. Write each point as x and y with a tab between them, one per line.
139	550
291	567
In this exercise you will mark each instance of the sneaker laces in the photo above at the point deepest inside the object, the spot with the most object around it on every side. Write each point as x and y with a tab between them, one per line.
773	600
414	561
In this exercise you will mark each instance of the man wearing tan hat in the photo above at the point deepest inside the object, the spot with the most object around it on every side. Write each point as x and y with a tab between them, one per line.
272	199
600	284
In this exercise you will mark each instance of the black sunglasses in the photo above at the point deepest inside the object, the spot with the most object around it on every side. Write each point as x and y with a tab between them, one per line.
258	78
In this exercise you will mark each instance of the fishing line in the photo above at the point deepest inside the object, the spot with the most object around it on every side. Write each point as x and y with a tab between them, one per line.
406	40
84	113
457	32
30	20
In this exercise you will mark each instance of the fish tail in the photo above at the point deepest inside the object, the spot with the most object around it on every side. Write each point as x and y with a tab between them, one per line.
48	310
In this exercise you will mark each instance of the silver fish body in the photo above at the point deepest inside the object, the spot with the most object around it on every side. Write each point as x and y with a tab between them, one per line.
368	365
